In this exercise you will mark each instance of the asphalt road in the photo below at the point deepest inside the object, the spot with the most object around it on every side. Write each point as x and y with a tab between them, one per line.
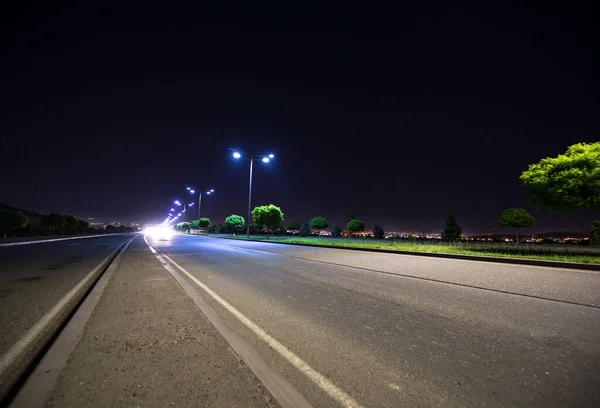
34	277
398	330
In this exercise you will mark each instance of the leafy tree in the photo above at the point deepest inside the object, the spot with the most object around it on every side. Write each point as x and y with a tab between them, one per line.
293	225
355	225
318	223
195	225
453	231
110	229
53	221
270	216
568	182
204	222
83	226
595	234
71	223
217	228
11	220
305	231
336	231
516	218
183	226
122	228
378	232
211	229
235	222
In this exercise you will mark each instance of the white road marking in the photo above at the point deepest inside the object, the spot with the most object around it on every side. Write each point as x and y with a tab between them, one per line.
255	250
20	346
317	378
37	389
42	241
415	254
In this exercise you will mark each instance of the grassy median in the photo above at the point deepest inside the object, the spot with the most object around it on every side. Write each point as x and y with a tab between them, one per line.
563	253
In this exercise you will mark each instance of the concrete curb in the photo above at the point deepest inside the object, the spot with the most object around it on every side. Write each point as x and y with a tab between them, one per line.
14	362
515	261
37	390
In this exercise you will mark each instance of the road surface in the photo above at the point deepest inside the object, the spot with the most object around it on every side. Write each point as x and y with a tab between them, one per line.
33	279
374	329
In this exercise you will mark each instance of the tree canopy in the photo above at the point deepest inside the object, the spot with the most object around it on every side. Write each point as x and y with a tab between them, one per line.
595	233
53	221
293	225
378	232
516	218
110	229
336	231
355	225
183	226
71	224
318	223
235	222
83	225
305	230
11	220
203	222
270	216
195	224
452	231
568	182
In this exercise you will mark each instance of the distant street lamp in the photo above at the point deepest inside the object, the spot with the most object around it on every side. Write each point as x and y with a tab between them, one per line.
192	191
251	158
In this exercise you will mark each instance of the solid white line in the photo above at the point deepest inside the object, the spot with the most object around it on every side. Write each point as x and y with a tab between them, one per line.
41	383
20	346
41	241
317	378
255	250
281	389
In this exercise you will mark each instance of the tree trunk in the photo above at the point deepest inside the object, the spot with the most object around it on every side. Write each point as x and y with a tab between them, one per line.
517	235
5	234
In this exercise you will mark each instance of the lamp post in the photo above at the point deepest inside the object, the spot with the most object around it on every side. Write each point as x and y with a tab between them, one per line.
179	205
251	158
192	191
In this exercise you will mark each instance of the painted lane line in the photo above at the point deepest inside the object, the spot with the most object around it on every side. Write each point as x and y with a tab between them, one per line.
254	250
284	393
10	359
317	378
436	280
415	254
42	241
38	388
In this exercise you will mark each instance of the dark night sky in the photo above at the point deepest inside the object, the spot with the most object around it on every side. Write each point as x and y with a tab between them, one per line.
401	116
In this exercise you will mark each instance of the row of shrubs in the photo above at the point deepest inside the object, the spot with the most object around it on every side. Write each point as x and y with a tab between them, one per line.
269	219
18	224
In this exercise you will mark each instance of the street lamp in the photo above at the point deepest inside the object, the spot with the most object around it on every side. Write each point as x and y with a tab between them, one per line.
182	211
192	191
251	158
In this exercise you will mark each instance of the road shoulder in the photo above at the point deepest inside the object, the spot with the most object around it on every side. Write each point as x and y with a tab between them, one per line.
148	345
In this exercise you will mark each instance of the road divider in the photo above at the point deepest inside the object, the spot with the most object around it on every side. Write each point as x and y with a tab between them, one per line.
480	258
25	351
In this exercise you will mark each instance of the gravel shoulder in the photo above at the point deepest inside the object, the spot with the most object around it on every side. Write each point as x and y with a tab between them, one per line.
148	345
